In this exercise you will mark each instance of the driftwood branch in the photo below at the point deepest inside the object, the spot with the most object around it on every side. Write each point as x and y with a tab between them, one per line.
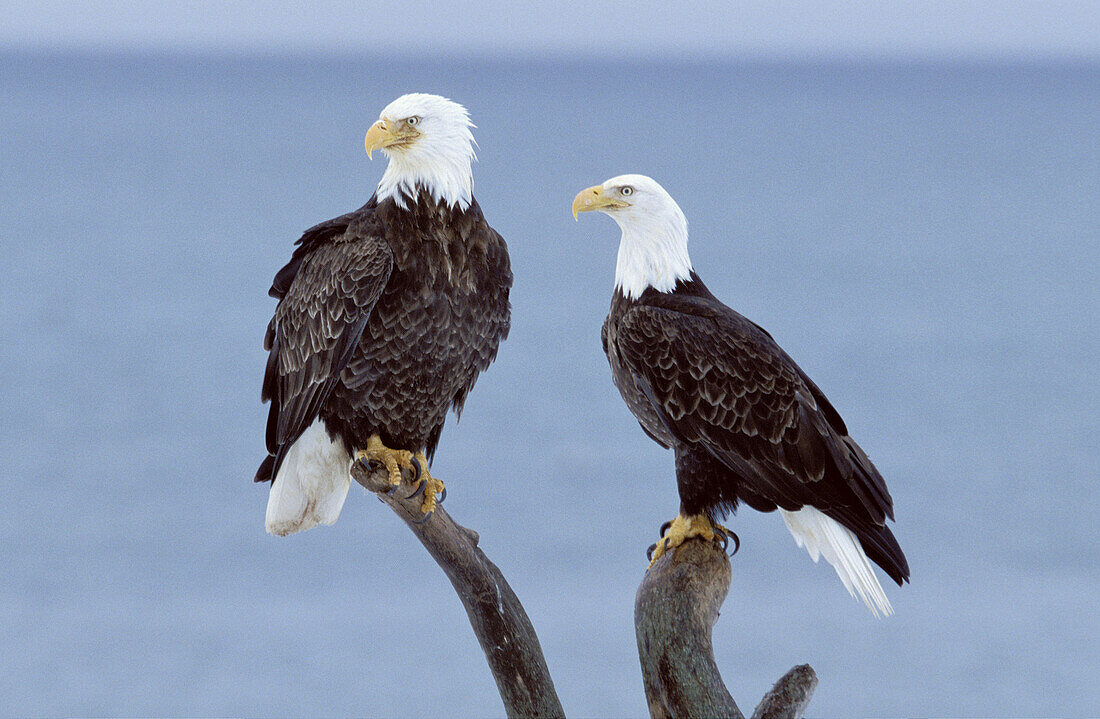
790	695
675	609
498	619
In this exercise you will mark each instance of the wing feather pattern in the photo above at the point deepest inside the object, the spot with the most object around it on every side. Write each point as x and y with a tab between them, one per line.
326	293
719	381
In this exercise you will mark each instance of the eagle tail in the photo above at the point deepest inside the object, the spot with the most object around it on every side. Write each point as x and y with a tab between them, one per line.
311	484
822	535
883	549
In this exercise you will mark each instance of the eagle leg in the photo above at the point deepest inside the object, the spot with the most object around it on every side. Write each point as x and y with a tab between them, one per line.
683	528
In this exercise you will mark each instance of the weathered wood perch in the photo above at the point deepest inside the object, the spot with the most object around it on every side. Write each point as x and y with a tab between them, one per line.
676	607
498	619
674	611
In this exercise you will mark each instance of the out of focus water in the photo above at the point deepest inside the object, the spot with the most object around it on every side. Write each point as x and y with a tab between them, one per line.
923	240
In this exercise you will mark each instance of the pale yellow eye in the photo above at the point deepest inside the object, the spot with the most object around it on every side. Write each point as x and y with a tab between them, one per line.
412	121
626	191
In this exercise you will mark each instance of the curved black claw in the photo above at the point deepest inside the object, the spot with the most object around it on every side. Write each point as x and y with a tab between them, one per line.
419	490
442	495
424	519
389	493
649	552
736	543
664	528
416	466
721	534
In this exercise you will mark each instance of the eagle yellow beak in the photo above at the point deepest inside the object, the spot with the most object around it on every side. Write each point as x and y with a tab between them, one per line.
380	135
593	198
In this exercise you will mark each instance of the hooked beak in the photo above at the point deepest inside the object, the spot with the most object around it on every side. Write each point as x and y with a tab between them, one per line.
380	136
593	198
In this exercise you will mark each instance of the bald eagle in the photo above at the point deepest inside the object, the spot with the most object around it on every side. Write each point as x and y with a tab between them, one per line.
746	423
386	316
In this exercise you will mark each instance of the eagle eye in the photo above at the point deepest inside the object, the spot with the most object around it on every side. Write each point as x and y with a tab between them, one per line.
414	120
626	191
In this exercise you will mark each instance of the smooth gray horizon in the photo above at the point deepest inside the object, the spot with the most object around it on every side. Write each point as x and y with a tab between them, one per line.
418	28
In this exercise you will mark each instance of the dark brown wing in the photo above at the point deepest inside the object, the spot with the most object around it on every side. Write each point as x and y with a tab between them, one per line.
334	285
719	381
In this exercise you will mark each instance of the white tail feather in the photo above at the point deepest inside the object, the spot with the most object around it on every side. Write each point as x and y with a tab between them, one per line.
824	536
311	485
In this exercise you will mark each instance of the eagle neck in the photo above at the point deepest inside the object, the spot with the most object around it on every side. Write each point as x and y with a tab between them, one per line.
447	178
652	253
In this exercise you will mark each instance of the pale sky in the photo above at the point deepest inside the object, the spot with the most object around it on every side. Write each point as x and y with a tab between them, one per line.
408	28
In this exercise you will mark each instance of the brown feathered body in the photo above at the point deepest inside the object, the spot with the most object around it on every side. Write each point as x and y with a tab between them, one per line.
386	317
746	423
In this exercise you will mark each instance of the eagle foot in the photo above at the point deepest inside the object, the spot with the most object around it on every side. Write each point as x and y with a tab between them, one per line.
433	489
394	460
682	528
420	490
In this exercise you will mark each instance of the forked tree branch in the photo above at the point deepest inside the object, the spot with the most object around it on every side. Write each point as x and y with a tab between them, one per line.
498	619
675	609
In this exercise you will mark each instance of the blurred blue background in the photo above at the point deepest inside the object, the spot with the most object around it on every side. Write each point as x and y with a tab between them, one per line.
906	200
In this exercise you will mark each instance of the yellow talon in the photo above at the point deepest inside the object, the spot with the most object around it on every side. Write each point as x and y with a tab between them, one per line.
684	528
432	486
394	460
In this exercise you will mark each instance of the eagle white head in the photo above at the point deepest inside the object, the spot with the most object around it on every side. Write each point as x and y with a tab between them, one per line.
429	144
653	249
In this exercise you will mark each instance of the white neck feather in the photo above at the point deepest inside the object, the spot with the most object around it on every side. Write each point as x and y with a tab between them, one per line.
446	176
652	251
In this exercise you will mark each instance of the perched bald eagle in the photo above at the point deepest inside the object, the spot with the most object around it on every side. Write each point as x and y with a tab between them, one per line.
386	316
746	423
